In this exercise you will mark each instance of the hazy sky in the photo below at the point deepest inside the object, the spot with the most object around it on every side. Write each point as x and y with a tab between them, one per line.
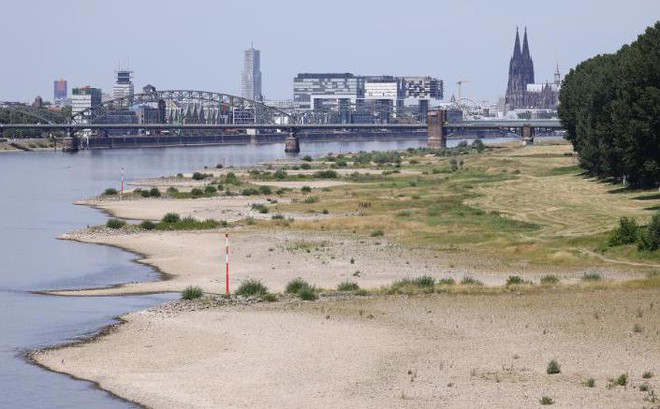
198	44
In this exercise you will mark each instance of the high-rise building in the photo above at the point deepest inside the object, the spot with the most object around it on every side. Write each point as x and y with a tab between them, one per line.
318	91
123	85
59	91
85	98
251	79
522	92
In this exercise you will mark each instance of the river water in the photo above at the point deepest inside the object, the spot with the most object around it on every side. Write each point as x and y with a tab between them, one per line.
38	190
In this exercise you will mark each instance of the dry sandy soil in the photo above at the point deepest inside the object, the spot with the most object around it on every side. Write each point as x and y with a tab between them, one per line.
440	350
458	351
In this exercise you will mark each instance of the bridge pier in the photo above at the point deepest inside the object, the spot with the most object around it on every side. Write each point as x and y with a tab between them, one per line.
292	143
527	135
437	135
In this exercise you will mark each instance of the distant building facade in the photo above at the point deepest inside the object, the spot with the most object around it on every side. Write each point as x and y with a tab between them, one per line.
83	99
522	91
251	78
123	86
368	98
60	92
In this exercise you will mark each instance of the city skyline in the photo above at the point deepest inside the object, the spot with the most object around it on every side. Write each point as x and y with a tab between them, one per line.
192	50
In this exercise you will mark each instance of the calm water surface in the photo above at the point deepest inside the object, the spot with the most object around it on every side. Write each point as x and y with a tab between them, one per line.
38	190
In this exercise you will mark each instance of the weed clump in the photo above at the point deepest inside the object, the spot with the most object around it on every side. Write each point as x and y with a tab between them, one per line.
307	294
251	287
467	280
377	233
590	383
191	292
546	400
171	218
516	280
294	286
348	286
261	208
549	279
553	367
147	225
591	277
115	224
111	191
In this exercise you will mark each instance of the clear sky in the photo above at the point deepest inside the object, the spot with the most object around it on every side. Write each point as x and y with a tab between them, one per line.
198	44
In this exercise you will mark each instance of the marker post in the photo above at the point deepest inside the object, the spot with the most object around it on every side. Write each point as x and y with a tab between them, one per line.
227	263
122	183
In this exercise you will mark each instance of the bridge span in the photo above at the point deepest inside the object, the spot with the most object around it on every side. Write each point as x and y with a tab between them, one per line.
436	128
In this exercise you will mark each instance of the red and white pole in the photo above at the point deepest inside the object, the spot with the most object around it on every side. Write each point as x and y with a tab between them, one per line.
227	263
122	182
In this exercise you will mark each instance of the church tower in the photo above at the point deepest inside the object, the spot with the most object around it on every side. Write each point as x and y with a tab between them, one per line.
521	73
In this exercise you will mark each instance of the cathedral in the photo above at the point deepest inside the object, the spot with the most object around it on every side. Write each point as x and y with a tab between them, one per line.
522	92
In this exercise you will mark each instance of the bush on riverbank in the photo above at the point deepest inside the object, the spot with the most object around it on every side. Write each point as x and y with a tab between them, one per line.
191	292
115	224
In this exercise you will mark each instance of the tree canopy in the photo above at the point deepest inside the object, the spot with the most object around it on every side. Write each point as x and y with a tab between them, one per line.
610	108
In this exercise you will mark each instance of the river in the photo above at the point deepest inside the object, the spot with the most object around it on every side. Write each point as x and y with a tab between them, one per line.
36	206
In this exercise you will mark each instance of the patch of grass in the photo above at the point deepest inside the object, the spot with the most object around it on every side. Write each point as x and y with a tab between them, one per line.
311	199
306	189
622	380
154	192
590	383
647	375
115	224
411	285
326	174
260	207
446	281
516	280
277	216
546	400
308	294
348	286
644	387
111	191
200	176
265	190
147	225
591	277
294	286
191	292
467	280
196	192
553	367
549	279
189	223
251	287
270	297
377	233
637	328
171	218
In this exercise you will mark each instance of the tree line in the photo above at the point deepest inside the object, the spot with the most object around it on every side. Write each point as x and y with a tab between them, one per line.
610	108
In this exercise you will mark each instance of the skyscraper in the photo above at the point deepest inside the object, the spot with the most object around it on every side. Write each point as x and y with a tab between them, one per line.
251	79
123	85
59	91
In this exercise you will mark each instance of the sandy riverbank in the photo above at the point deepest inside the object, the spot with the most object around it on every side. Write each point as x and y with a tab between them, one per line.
440	350
460	351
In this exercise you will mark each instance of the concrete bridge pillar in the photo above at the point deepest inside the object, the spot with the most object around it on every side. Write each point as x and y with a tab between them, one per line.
527	135
292	143
435	121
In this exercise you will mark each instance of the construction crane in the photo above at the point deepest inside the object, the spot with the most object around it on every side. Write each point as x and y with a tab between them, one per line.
460	83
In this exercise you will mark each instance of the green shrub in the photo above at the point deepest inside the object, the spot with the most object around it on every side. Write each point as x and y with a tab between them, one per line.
265	190
622	380
110	191
546	400
478	145
145	193
171	218
209	189
649	239
306	189
549	279
249	192
294	286
115	224
647	375
172	190
311	199
260	207
270	297
348	286
626	233
280	174
553	367
277	216
590	383
326	174
154	192
307	158
306	166
196	192
307	294
191	292
251	287
199	176
591	277
514	280
147	225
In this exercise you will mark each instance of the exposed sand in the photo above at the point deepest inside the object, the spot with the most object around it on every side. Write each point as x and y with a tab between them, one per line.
419	352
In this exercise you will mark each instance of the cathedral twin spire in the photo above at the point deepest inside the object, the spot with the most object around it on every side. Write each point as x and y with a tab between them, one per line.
521	72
